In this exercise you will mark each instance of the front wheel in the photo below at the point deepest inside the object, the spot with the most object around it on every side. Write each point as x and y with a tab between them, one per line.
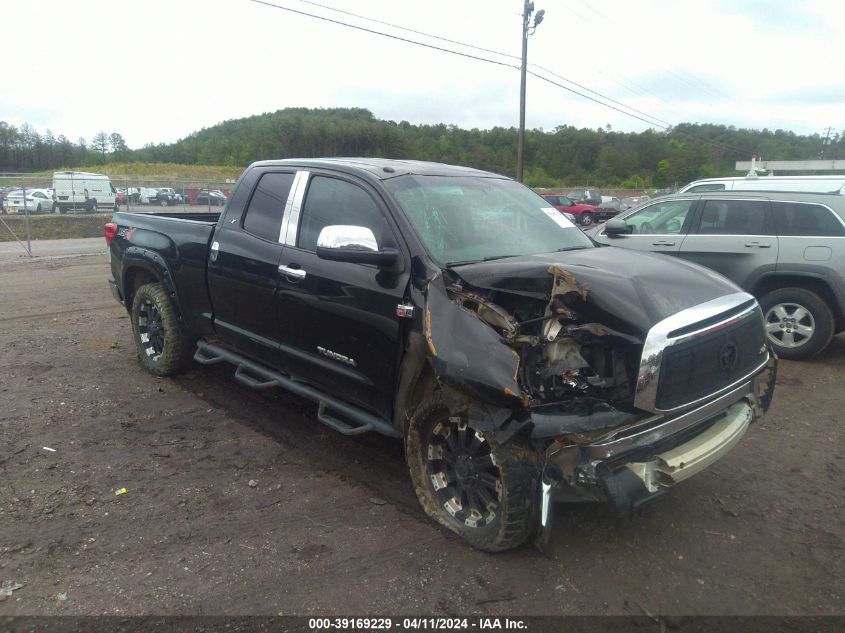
798	322
163	348
164	202
586	219
483	490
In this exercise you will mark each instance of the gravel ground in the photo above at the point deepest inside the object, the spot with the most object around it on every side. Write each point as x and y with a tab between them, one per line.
238	502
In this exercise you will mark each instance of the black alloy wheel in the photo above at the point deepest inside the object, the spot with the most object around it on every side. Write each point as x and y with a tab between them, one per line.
151	330
462	468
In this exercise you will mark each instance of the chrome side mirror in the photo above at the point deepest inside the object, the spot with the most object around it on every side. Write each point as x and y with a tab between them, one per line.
347	237
356	245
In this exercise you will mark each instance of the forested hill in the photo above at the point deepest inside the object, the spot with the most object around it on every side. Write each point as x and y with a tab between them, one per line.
562	156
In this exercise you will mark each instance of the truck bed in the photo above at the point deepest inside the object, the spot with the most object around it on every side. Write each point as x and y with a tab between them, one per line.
181	242
210	218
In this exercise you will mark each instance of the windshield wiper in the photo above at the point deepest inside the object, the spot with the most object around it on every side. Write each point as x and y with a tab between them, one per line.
489	258
571	248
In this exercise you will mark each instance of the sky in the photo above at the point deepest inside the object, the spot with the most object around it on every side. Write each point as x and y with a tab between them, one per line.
155	70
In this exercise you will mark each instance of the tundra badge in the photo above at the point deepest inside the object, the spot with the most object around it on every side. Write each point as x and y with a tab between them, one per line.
336	356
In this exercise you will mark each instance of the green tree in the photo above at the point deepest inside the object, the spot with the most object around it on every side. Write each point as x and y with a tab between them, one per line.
100	143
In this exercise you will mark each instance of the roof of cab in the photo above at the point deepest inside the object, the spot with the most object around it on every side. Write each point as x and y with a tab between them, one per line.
381	168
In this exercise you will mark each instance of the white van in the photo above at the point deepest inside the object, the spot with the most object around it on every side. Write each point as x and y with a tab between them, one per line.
803	184
81	190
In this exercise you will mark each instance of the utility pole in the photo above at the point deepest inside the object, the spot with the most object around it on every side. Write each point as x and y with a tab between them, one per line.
527	10
825	142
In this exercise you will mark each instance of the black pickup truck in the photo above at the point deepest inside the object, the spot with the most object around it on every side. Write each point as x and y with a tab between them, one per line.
520	362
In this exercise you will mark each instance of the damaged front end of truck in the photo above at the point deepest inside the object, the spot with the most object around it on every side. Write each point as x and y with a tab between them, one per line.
625	383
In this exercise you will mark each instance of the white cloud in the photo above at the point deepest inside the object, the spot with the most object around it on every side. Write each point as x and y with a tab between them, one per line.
156	71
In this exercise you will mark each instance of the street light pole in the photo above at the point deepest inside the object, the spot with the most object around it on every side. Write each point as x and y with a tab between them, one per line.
527	10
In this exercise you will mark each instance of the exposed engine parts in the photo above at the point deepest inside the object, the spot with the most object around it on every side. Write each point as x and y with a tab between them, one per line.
562	354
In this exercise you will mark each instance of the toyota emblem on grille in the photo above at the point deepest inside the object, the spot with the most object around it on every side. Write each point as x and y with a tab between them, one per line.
728	356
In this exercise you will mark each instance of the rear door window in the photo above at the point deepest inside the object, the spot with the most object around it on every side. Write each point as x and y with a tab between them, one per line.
264	213
805	219
735	217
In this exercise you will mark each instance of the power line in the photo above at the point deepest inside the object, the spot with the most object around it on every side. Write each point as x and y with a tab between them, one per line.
479	48
574	83
388	35
477	58
409	30
607	105
662	124
703	85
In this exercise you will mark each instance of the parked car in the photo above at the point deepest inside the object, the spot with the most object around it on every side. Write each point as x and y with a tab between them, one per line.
166	196
453	309
35	201
585	196
808	184
785	248
583	213
211	198
635	201
610	207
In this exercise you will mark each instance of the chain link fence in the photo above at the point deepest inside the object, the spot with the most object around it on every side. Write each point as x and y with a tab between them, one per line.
28	201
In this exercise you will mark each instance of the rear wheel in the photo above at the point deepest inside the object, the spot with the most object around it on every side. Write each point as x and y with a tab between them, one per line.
164	202
163	348
478	488
798	322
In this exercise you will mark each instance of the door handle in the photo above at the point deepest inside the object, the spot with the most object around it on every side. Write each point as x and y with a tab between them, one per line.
758	245
663	243
215	247
296	273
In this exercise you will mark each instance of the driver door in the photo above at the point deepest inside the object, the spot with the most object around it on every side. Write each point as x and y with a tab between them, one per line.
658	227
338	323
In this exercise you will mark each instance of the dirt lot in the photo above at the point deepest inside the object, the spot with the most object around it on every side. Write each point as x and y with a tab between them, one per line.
332	525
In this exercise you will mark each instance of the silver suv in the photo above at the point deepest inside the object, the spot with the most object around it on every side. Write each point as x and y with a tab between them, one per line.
787	249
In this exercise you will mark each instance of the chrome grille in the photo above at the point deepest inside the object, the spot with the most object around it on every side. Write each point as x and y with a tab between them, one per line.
701	352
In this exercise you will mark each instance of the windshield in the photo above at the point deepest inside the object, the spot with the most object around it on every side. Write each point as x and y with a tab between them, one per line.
465	219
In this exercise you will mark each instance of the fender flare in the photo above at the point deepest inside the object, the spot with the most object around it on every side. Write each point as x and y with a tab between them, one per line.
153	263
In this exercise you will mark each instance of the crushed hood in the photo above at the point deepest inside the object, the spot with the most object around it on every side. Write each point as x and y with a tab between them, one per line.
622	288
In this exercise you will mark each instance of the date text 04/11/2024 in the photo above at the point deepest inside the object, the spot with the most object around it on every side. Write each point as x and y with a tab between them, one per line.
414	624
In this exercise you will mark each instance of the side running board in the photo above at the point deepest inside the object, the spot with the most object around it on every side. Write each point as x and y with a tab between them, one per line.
256	376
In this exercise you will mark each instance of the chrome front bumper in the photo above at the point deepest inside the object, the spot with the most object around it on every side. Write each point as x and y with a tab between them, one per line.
682	462
638	463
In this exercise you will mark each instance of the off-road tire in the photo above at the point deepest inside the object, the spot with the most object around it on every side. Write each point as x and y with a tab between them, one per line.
176	350
518	464
819	311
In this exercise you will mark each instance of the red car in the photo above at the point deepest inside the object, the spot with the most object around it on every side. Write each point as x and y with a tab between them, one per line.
584	213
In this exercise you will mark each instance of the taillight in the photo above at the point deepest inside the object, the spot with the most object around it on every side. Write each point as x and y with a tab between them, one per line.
109	231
